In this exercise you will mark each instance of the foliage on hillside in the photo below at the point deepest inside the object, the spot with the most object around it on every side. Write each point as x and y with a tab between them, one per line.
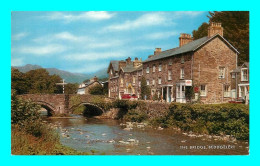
236	30
38	81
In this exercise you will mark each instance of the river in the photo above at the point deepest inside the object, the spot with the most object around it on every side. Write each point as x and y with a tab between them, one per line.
106	136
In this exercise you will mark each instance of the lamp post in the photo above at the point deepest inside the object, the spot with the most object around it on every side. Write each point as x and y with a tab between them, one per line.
62	83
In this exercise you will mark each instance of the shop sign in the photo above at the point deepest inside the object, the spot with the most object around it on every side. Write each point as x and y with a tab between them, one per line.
188	82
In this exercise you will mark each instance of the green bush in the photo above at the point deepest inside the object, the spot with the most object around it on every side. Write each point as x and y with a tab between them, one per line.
135	116
231	119
96	90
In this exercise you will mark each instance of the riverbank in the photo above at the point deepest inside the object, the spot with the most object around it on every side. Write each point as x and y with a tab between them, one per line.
23	143
223	121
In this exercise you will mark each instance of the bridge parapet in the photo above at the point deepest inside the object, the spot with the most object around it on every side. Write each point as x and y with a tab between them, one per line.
61	103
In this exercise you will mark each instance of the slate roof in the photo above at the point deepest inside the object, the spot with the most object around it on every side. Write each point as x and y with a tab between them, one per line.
115	65
130	68
189	47
238	69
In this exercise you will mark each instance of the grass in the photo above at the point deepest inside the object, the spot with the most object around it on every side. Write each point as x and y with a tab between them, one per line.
23	143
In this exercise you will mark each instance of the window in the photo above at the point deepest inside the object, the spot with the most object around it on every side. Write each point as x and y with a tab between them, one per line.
178	91
221	72
233	75
203	90
133	80
159	81
160	67
153	81
182	59
226	91
182	73
170	62
147	69
153	68
169	75
147	82
244	75
121	82
139	83
111	71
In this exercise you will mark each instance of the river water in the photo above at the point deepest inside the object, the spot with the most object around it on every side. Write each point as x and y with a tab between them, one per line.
106	136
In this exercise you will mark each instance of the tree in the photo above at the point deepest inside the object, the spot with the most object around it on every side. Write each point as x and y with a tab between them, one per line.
35	81
145	89
189	93
96	90
236	30
19	82
201	32
71	88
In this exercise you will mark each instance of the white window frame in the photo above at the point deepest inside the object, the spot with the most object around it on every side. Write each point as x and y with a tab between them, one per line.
160	67
160	81
147	69
221	74
203	92
147	82
134	80
154	68
242	74
226	90
139	83
233	75
169	75
182	73
153	82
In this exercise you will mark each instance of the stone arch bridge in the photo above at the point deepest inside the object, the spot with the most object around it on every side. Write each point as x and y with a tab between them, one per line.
62	103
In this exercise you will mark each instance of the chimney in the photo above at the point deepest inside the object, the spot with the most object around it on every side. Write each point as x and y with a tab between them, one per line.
215	28
128	60
137	62
184	39
157	51
95	79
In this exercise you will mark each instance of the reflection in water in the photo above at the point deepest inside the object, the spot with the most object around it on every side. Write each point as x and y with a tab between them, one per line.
102	135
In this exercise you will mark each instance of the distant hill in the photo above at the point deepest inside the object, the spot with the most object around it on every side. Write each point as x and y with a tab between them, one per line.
68	76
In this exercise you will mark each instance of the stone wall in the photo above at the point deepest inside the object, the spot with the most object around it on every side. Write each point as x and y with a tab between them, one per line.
207	61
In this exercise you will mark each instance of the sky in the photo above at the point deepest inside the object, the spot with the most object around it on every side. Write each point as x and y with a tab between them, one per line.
85	42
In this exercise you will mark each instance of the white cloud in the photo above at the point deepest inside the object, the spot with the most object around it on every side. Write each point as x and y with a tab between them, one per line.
92	56
188	13
19	36
62	36
42	50
17	62
149	19
160	35
84	16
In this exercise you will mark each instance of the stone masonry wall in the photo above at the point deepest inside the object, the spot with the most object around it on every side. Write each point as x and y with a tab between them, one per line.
207	61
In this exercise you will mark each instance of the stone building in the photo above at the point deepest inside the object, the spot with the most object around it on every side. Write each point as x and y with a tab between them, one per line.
123	77
203	64
84	87
240	82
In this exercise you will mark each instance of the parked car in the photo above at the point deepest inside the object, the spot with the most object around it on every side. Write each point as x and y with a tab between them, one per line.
129	96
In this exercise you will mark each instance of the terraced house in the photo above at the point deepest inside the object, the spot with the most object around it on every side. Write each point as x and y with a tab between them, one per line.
204	64
124	77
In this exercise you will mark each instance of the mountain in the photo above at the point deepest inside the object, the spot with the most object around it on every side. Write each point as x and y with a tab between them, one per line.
68	76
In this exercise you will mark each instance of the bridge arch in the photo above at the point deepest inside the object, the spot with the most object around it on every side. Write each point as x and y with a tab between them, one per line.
90	109
50	109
